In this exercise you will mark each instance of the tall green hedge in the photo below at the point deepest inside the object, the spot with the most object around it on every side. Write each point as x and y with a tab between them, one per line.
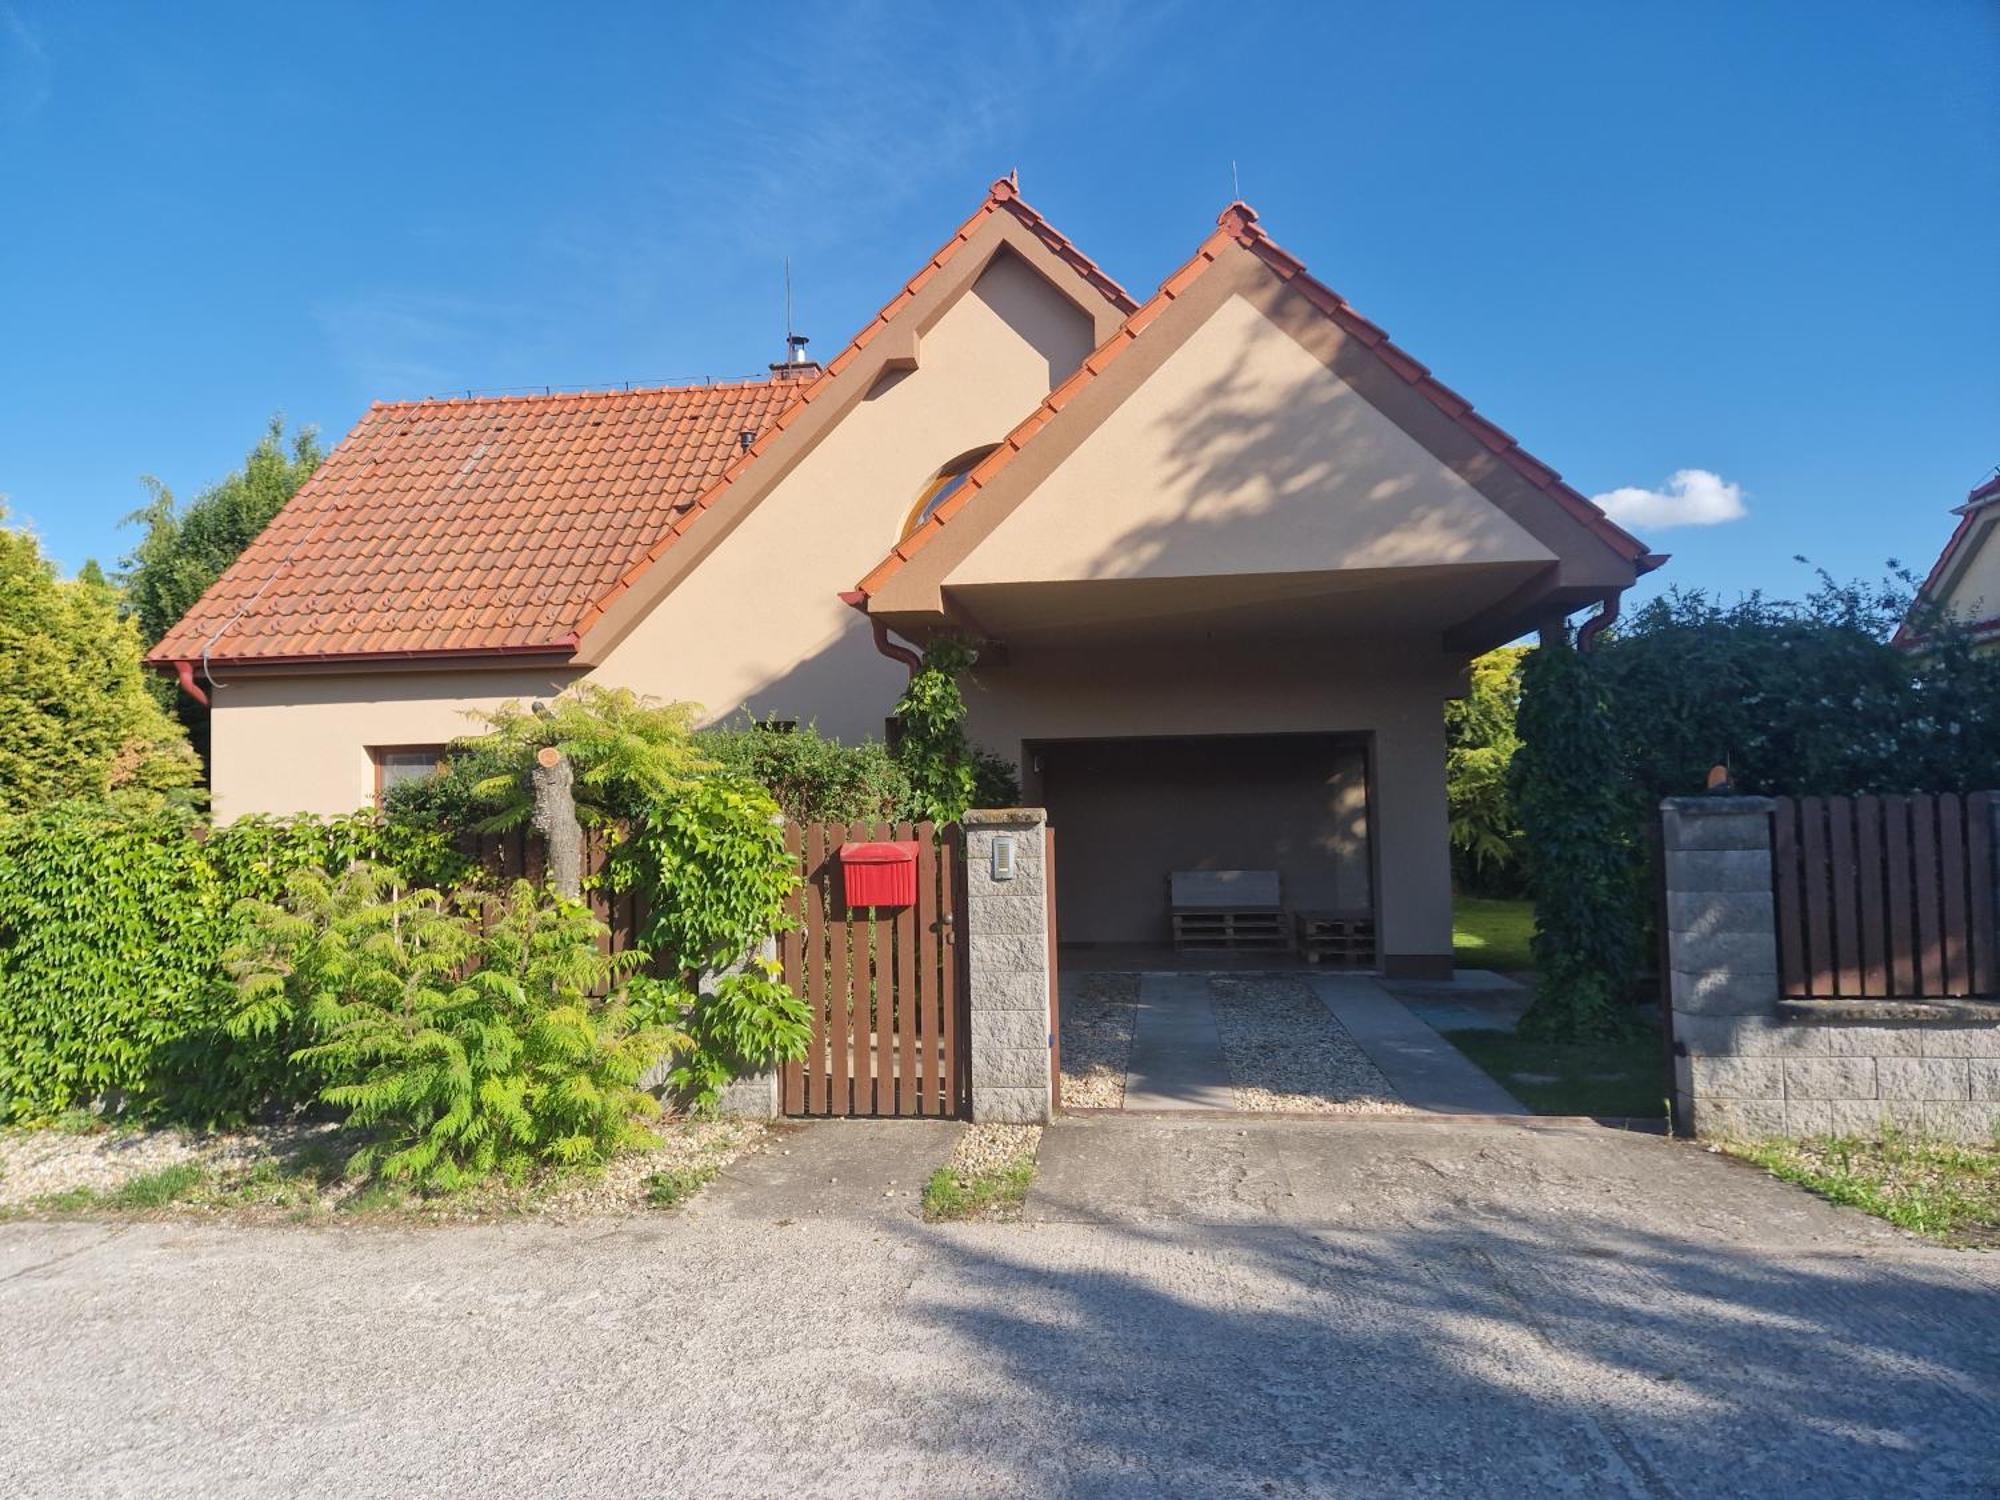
1570	794
113	922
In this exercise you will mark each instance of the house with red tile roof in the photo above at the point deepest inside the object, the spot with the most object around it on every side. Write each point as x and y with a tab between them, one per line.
1965	580
1227	553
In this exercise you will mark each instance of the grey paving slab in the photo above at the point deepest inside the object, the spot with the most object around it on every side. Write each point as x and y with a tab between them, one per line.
1177	1060
1426	1070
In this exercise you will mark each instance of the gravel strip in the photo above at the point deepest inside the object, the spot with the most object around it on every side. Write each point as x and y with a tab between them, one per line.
702	1146
1285	1050
1097	1023
36	1164
980	1149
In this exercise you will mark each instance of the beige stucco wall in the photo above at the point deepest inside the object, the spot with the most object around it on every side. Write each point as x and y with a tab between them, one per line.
1394	693
758	625
300	744
1243	453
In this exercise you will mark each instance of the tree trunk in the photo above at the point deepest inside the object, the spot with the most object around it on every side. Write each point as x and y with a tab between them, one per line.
555	820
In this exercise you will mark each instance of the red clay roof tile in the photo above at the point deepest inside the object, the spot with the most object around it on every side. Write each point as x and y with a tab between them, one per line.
472	524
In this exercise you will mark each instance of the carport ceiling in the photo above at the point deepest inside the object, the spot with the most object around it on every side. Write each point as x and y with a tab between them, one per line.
1404	602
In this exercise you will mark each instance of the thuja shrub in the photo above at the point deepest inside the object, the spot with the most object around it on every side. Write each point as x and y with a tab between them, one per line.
113	923
463	1036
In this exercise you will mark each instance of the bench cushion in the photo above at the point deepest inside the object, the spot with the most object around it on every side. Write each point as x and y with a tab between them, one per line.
1234	889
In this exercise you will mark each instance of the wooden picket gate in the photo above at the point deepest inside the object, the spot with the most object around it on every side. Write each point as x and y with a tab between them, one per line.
885	986
1885	897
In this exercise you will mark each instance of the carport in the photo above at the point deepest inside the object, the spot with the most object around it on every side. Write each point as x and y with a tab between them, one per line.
1129	812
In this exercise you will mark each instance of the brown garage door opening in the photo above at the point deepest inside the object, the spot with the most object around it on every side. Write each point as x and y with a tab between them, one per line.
1130	812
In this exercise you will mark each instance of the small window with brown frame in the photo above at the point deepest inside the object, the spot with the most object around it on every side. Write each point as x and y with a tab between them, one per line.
396	764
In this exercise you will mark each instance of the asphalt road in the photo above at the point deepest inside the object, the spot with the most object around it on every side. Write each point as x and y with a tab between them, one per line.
1195	1307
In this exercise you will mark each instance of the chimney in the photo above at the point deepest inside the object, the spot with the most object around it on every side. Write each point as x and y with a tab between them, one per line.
796	365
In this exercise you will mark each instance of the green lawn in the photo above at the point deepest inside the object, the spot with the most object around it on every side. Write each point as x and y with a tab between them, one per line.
1491	934
1949	1192
1625	1078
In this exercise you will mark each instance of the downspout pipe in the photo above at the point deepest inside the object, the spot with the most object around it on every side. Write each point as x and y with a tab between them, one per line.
1587	633
855	599
184	671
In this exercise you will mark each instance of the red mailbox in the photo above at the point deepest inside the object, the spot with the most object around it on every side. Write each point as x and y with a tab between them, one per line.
879	874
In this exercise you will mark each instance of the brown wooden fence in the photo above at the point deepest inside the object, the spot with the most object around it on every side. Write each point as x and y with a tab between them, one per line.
1885	897
884	985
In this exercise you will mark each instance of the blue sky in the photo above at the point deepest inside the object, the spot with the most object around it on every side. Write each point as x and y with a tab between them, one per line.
1755	241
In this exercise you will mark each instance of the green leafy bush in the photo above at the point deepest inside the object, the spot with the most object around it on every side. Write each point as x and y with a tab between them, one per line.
1800	697
716	875
108	945
113	922
814	779
461	1046
628	751
1480	741
704	847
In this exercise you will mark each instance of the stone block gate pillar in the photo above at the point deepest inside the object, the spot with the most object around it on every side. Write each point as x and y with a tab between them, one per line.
1010	971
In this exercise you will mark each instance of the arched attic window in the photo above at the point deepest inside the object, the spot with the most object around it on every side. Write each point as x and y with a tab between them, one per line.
942	485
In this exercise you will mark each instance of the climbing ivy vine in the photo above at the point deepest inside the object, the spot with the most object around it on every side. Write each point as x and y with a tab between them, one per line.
1569	791
935	753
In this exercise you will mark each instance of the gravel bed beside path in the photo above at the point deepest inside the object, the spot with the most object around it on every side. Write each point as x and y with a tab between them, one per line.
1285	1051
270	1173
37	1163
1098	1011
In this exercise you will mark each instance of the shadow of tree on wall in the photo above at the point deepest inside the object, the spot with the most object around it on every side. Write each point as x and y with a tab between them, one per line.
1470	1355
1232	441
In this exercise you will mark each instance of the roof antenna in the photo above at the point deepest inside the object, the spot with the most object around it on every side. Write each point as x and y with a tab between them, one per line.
1235	183
795	343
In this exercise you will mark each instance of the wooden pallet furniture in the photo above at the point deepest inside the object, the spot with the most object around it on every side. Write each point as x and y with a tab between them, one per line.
1345	939
1227	911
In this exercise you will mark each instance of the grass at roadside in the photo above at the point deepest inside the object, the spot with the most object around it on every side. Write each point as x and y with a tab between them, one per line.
1623	1077
988	1177
1948	1191
675	1185
1492	934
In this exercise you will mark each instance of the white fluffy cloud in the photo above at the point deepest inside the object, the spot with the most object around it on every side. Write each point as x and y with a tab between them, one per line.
1690	497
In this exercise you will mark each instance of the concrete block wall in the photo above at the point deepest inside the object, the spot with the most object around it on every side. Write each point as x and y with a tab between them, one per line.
753	1096
1008	970
1748	1064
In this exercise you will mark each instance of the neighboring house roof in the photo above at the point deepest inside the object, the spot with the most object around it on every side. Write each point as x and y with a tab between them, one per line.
1977	518
508	525
1238	224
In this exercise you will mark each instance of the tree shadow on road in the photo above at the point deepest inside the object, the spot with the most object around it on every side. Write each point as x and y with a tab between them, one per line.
1455	1358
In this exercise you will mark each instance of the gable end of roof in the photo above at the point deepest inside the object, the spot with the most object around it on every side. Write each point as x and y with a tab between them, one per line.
1238	225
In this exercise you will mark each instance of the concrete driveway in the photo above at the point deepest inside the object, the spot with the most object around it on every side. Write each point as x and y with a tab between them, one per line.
1352	1307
